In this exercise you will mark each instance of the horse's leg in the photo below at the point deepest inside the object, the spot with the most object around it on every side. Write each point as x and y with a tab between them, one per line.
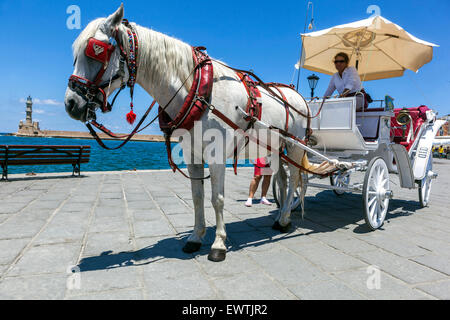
194	241
218	249
281	183
283	224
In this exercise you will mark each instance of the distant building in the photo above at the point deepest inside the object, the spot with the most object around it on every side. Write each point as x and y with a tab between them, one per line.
29	128
443	136
445	129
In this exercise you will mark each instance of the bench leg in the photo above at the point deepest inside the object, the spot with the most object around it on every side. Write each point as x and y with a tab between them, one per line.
76	169
4	173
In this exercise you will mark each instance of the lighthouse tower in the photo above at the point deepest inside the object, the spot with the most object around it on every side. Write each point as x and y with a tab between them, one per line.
29	120
29	128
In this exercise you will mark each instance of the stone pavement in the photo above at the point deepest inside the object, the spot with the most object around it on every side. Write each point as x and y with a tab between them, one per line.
123	233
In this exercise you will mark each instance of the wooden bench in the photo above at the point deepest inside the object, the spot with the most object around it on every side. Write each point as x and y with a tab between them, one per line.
22	155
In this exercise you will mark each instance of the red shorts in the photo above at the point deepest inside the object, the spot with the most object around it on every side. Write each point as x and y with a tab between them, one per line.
261	169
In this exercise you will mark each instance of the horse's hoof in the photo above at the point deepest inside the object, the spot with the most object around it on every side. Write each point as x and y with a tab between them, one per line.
277	226
192	247
216	255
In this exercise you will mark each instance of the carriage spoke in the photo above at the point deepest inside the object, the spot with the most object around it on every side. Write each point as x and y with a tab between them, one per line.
372	211
383	204
371	202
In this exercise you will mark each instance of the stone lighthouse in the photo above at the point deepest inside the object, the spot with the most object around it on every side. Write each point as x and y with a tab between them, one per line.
29	111
29	128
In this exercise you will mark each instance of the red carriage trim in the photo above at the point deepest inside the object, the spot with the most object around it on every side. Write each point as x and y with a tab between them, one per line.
418	116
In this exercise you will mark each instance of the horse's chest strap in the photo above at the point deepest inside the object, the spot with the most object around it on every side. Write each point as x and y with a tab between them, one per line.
193	107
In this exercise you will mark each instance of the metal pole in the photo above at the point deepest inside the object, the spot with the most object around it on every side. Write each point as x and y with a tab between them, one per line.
301	48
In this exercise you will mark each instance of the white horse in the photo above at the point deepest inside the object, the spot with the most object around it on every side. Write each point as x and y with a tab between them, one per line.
163	65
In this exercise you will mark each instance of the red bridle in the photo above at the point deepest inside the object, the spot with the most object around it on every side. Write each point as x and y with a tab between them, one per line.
89	90
102	52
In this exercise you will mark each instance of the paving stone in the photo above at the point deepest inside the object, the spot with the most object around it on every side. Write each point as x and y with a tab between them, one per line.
253	241
344	242
108	224
328	258
288	268
396	246
109	212
107	243
236	262
62	233
155	228
146	215
48	287
325	290
440	290
173	280
438	263
11	207
251	286
401	268
182	220
145	205
111	195
15	229
10	249
46	259
106	280
126	294
389	287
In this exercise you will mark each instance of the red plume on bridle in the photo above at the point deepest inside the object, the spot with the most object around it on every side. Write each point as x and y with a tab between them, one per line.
131	116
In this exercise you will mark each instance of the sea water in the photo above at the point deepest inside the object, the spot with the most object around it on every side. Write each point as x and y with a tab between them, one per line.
134	155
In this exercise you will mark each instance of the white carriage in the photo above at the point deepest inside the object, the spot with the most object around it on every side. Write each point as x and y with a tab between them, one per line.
370	142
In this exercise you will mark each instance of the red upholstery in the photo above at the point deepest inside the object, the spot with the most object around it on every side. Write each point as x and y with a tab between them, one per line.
418	116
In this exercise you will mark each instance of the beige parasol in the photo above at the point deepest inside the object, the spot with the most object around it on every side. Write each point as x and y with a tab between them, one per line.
378	48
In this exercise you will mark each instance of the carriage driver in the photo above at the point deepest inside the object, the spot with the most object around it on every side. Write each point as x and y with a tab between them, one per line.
347	82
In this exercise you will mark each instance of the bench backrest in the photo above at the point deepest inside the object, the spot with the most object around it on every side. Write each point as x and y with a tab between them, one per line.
45	155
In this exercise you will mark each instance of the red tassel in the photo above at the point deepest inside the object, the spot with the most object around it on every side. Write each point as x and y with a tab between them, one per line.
131	117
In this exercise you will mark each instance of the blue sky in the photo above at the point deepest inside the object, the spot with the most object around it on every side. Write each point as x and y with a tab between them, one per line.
36	57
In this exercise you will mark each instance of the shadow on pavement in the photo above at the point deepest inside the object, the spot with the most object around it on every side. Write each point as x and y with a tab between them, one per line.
320	217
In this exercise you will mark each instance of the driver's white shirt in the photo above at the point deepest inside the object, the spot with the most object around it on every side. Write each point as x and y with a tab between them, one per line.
350	80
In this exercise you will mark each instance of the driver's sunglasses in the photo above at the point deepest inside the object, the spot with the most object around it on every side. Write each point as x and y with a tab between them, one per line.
339	61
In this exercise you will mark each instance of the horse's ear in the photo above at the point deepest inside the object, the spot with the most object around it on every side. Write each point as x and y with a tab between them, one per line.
115	19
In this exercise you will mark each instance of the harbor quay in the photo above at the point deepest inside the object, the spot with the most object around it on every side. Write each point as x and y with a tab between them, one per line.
119	235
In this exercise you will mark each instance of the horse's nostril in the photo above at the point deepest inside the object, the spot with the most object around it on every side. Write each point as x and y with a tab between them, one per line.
70	105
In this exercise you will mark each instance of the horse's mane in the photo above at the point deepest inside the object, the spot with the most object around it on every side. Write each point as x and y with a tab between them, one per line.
160	56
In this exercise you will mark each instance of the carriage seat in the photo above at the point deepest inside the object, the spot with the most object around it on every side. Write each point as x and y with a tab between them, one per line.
368	122
418	116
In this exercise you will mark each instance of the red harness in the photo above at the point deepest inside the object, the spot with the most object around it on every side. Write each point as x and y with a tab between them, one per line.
193	106
102	52
254	104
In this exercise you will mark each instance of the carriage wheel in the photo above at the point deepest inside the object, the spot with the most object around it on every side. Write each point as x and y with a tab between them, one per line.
340	180
376	193
277	191
425	185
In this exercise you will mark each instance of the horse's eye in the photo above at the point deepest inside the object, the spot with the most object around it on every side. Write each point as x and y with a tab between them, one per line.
75	62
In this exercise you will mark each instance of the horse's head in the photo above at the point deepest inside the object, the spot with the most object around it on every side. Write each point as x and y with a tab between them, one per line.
98	69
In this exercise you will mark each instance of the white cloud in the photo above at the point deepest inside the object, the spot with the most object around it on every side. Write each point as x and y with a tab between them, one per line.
43	102
38	111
